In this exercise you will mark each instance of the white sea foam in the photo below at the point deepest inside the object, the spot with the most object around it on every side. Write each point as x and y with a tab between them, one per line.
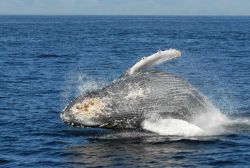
206	124
212	122
241	121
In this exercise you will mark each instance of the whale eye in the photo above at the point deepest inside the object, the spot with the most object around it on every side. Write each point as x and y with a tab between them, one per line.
143	58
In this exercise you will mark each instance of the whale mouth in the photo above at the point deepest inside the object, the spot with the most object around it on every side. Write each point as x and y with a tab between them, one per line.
72	123
78	124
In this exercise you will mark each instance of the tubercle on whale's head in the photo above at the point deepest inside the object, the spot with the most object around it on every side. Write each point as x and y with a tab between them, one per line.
87	112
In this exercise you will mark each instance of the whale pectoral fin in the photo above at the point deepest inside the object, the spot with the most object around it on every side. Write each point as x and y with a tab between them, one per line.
155	59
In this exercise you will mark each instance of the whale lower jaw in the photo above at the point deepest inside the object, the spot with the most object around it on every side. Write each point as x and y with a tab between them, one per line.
81	125
77	124
114	125
73	124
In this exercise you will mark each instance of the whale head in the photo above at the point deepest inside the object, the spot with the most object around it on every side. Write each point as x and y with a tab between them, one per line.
110	107
84	112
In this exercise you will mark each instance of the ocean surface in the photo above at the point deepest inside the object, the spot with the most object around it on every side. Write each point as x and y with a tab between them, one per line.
46	61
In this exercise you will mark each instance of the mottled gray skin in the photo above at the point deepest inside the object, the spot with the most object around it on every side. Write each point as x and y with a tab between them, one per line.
164	95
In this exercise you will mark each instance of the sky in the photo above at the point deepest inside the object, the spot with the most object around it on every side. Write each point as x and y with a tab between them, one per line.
125	7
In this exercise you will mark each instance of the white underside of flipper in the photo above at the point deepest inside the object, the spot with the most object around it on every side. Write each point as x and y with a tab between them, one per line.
155	59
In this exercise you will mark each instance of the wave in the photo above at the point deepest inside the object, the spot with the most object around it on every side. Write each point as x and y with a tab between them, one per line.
13	39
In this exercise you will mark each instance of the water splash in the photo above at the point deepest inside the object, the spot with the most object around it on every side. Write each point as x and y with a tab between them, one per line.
86	84
78	84
205	124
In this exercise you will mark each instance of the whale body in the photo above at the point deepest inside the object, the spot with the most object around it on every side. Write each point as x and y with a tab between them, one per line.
131	99
136	96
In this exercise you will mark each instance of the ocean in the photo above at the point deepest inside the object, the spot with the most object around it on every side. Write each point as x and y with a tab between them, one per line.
46	61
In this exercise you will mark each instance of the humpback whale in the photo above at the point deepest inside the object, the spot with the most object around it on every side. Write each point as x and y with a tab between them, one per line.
138	95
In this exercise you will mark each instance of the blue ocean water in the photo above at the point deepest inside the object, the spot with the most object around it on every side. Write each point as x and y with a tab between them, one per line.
46	61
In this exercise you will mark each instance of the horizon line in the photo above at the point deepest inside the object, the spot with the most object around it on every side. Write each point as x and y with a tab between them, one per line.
113	15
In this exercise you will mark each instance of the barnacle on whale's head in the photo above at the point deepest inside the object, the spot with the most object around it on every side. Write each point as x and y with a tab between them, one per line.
85	112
